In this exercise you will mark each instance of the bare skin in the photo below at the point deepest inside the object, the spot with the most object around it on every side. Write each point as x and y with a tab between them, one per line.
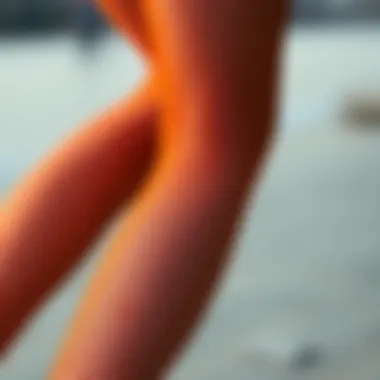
111	155
65	202
213	110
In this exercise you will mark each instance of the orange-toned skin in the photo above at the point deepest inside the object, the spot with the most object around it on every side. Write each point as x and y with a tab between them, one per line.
60	208
216	111
214	101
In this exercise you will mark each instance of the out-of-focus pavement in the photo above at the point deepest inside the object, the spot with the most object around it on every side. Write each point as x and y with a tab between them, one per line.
302	298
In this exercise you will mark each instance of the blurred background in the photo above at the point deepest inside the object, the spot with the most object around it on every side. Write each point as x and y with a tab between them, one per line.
302	298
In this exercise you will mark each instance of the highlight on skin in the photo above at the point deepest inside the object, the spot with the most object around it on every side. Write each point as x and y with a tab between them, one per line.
216	112
59	209
128	18
172	246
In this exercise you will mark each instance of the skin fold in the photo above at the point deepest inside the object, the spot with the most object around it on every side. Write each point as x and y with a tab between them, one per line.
210	103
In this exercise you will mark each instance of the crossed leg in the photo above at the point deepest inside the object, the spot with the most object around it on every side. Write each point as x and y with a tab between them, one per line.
162	266
160	270
60	208
54	214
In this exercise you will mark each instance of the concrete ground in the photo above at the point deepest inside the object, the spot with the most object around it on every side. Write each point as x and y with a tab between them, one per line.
301	300
302	297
